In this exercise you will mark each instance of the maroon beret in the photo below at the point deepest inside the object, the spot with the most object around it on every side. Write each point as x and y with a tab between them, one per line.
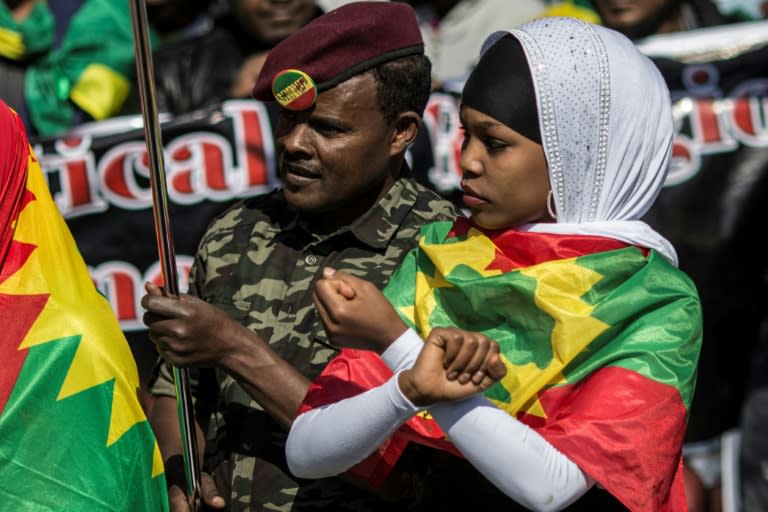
335	47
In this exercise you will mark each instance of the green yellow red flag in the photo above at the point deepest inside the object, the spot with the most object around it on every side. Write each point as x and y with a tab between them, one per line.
87	64
600	340
73	435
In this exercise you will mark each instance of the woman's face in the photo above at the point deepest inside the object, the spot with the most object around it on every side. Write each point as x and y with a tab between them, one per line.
505	179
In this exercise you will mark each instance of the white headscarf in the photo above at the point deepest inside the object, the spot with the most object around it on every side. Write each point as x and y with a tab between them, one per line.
606	126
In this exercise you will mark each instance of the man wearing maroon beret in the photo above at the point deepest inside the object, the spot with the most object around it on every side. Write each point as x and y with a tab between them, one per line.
352	86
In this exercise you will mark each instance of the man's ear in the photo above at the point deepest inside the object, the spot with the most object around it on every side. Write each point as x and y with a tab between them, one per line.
406	128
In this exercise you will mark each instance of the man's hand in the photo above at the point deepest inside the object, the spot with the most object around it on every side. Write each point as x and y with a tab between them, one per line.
355	313
210	498
188	331
453	365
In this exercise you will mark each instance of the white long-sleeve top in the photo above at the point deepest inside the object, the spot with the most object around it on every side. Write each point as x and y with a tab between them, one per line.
331	439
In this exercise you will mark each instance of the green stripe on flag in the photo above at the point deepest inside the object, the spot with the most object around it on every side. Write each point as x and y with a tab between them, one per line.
646	328
54	454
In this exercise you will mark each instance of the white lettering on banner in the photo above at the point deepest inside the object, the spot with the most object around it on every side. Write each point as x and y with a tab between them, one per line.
123	285
441	118
750	112
205	165
701	80
74	167
717	126
200	165
119	169
254	146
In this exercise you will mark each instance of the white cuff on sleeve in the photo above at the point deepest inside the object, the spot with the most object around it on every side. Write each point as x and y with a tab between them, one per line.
404	351
330	439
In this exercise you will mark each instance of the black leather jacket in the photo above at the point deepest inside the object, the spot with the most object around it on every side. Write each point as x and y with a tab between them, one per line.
195	73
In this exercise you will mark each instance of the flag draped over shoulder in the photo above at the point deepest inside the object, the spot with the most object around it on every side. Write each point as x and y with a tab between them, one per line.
73	435
600	341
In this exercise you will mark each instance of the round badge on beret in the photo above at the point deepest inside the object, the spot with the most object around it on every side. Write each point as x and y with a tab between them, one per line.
294	89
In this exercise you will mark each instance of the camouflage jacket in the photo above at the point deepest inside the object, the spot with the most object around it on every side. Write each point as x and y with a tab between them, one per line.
259	262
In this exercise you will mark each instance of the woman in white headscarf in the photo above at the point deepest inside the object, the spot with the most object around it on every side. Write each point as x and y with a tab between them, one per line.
568	133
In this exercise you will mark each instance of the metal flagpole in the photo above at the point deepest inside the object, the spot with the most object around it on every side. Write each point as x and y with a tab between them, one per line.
146	83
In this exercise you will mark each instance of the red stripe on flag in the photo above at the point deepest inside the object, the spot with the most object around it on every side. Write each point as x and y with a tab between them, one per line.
15	258
17	314
13	175
623	429
520	249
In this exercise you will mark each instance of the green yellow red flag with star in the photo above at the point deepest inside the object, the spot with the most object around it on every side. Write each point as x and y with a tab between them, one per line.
600	340
73	435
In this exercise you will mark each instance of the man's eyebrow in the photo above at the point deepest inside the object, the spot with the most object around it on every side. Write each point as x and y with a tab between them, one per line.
328	121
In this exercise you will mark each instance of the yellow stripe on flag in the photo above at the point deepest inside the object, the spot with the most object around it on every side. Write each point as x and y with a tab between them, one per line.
560	284
476	252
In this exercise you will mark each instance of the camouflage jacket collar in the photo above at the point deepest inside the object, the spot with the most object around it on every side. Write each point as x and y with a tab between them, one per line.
377	226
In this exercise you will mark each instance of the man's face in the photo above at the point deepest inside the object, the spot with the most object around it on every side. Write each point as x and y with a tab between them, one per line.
336	156
636	18
271	21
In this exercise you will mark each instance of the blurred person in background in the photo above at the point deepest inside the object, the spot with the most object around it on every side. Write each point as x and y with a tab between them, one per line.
453	30
580	9
224	62
642	18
